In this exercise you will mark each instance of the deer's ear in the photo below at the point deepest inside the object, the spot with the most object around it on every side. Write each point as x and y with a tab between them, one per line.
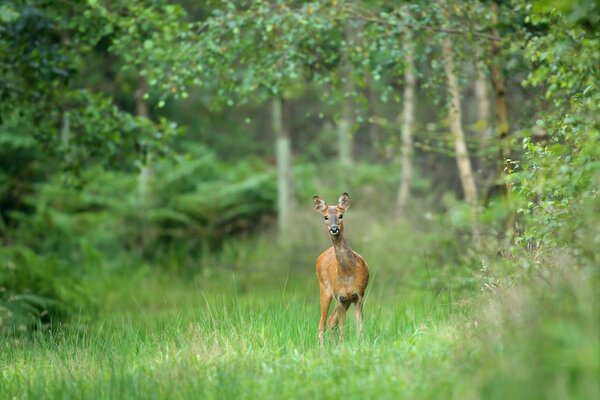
319	204
344	201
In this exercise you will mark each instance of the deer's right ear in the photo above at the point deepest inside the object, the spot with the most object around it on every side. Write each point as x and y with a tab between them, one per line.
319	204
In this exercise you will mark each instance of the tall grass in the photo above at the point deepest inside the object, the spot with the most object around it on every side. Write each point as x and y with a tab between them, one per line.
234	345
244	325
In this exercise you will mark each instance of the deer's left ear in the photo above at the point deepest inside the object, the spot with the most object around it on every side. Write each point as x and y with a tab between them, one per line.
344	201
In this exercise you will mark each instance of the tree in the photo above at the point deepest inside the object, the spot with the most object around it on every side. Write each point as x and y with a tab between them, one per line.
408	117
455	116
346	118
285	198
483	104
504	166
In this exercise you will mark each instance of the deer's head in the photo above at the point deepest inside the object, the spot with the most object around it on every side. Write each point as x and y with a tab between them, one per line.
333	215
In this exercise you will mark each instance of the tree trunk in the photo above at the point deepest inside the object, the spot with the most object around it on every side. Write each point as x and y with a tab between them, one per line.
65	130
502	122
408	117
284	164
374	131
455	116
141	107
345	137
462	155
485	168
141	110
345	145
483	104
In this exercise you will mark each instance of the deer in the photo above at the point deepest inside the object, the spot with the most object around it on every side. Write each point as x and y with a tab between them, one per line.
342	273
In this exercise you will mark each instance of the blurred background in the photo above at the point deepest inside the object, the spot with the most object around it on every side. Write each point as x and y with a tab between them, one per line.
160	156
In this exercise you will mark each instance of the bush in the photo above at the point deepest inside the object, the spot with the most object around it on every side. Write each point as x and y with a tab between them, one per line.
36	290
536	334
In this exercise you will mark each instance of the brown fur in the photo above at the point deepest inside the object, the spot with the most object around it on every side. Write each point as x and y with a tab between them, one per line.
342	273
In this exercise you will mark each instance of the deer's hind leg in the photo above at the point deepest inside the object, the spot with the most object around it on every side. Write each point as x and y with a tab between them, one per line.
337	319
325	298
359	316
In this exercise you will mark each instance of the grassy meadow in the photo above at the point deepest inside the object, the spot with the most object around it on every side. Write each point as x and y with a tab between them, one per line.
245	326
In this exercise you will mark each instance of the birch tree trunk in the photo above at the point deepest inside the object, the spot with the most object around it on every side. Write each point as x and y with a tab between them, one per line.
408	117
483	103
65	130
284	164
141	110
374	131
485	169
462	155
455	116
345	145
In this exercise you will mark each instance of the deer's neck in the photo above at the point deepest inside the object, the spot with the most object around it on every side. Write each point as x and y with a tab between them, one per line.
343	252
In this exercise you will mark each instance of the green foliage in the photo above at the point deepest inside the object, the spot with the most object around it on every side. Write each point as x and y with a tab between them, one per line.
153	40
560	173
41	57
36	291
195	201
536	334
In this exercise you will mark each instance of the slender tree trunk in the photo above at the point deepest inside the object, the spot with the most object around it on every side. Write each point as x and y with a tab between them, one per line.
345	145
483	103
485	170
141	107
65	135
145	176
408	117
345	137
65	129
284	164
462	155
141	110
374	131
502	123
455	116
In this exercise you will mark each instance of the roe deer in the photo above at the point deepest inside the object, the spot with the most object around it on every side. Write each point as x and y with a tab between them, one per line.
343	274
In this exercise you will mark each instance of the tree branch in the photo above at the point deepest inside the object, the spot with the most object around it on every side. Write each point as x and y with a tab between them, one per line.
364	15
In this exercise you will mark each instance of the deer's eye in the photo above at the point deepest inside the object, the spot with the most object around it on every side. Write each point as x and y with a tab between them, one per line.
326	217
341	216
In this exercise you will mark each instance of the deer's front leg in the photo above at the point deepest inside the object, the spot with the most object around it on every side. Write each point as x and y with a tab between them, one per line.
325	302
359	316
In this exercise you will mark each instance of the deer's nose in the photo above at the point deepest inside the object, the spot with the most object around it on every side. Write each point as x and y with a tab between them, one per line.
334	230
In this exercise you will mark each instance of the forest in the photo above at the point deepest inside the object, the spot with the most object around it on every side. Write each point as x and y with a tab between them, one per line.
159	234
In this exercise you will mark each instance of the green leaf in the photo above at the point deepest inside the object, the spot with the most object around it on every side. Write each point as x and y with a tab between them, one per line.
8	14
